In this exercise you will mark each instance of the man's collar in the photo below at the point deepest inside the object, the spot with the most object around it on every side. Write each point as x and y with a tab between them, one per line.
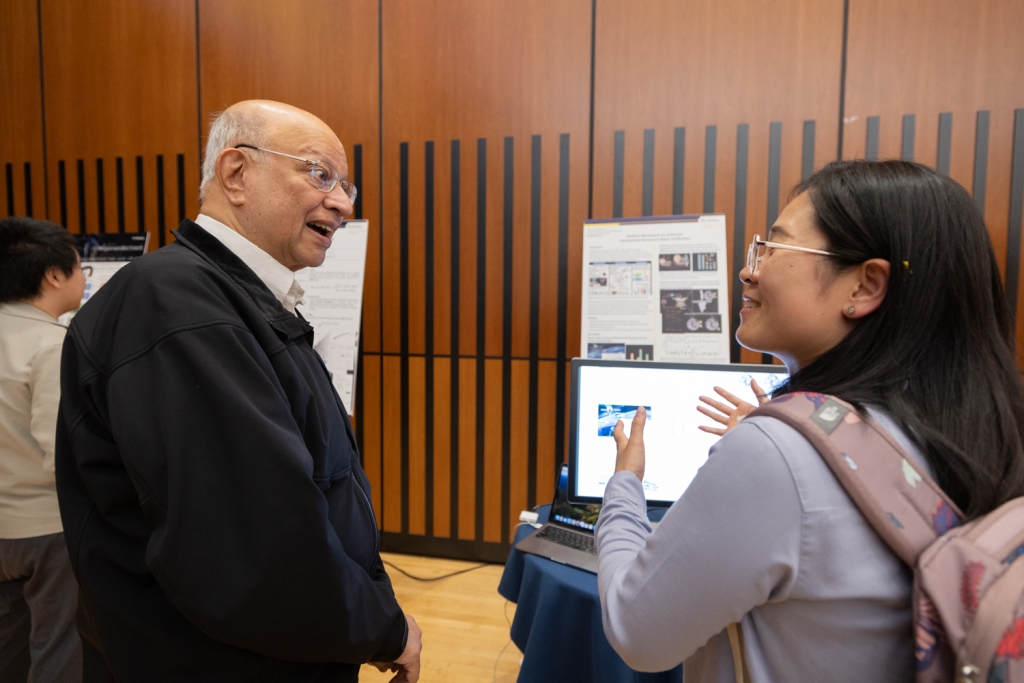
198	240
23	309
277	277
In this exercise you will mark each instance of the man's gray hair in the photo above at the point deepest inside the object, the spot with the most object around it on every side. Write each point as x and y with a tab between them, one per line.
229	128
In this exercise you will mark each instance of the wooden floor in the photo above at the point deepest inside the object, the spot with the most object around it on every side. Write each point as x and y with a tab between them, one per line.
465	622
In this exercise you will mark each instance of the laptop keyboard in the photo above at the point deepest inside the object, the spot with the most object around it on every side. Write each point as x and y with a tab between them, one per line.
569	539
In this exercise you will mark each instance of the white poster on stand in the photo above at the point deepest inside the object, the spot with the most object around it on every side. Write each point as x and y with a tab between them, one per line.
334	304
105	254
656	289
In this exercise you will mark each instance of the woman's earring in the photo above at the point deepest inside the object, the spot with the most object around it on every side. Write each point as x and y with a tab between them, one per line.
851	310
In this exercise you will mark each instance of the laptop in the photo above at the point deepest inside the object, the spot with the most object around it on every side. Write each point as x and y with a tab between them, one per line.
568	537
602	392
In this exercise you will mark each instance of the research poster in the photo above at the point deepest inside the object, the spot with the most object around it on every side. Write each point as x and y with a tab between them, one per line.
105	254
334	304
655	289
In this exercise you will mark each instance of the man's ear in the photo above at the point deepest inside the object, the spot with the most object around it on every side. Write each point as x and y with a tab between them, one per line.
53	278
872	284
232	169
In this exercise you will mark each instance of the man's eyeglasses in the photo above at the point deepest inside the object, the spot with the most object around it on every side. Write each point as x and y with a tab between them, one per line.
758	247
323	176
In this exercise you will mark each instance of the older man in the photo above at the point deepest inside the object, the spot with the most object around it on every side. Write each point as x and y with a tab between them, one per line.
217	516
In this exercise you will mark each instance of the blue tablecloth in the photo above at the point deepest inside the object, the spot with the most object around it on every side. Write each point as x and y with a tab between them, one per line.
558	623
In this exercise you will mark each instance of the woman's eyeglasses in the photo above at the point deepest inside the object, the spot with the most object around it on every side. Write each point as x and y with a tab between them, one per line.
758	247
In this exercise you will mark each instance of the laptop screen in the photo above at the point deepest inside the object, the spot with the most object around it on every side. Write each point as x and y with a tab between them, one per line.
565	513
604	392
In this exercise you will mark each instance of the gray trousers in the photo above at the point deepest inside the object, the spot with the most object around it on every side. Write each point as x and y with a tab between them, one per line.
39	640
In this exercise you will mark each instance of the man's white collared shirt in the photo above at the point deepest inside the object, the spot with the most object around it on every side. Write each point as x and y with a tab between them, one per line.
279	279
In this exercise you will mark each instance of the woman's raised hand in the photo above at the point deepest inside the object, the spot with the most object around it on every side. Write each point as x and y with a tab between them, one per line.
727	415
631	455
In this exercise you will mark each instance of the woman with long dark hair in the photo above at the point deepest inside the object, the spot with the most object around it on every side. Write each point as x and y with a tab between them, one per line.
878	285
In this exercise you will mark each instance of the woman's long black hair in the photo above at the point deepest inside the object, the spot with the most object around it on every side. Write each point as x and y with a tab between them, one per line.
938	354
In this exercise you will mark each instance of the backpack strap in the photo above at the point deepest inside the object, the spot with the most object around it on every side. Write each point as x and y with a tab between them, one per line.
900	501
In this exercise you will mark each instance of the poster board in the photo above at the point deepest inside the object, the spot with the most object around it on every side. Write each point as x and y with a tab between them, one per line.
655	288
105	254
334	305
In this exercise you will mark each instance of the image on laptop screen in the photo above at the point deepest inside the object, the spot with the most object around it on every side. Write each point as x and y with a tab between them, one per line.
604	392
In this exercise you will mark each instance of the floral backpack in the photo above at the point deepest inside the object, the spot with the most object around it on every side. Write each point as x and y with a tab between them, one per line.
968	595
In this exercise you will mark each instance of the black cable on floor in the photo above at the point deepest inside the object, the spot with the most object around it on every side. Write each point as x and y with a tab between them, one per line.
435	578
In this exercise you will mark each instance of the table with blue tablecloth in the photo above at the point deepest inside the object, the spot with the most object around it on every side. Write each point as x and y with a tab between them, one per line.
557	625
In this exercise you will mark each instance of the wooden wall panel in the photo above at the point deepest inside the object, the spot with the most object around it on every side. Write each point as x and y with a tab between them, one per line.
468	495
21	112
924	58
391	484
120	84
497	111
439	511
722	63
321	57
370	434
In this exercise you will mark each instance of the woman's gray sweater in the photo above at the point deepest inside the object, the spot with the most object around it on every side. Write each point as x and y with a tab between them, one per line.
764	534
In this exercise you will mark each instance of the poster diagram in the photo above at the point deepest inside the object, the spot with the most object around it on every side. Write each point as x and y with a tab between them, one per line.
653	290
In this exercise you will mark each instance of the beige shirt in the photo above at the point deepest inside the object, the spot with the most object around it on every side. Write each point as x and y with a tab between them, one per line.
279	279
30	348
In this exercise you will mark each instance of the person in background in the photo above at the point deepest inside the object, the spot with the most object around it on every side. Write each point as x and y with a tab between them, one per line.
208	473
41	278
876	284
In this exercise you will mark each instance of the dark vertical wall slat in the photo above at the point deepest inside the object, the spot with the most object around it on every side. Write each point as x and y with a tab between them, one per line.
980	160
140	194
181	188
907	145
456	343
945	142
774	171
807	158
403	289
481	326
62	185
774	187
80	166
535	215
161	213
710	155
871	150
428	290
9	174
619	171
506	333
739	231
28	190
119	175
357	179
678	169
1016	213
563	285
101	204
648	189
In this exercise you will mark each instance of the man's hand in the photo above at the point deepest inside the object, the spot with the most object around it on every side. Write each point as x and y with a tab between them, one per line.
631	454
730	416
407	666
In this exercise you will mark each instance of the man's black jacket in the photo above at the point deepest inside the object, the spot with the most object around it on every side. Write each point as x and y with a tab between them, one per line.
218	520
